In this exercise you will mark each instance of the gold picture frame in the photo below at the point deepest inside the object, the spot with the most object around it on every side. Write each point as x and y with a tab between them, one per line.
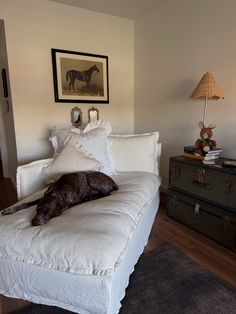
93	114
76	117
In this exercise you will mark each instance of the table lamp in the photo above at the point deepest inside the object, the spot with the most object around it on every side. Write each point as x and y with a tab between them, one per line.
206	89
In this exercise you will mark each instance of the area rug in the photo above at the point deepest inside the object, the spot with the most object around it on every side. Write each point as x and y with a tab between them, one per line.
167	281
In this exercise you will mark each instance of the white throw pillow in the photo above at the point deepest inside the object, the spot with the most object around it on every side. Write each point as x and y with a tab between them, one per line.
96	142
135	152
105	124
73	157
58	137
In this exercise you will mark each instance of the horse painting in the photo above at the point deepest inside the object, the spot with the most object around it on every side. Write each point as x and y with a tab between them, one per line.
84	76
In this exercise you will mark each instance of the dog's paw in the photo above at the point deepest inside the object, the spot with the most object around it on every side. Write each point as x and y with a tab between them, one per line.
11	210
8	211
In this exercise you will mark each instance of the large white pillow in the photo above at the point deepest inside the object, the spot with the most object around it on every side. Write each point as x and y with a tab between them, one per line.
135	152
58	136
73	157
105	124
96	142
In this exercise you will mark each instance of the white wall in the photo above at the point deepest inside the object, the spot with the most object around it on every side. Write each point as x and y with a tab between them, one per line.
34	27
175	44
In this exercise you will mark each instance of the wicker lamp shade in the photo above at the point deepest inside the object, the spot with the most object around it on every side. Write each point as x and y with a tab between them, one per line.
207	88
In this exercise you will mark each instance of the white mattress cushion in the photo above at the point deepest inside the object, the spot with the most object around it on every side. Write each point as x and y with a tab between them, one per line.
90	238
72	157
135	152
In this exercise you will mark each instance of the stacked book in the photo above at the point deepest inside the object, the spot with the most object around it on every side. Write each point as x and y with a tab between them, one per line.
212	154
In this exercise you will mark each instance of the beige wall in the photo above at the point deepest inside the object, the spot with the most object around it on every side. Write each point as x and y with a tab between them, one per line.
175	44
34	27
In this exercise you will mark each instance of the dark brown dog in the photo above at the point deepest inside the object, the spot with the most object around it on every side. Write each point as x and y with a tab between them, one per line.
70	190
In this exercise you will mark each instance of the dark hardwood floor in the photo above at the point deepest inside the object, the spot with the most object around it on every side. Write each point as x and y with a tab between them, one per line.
209	254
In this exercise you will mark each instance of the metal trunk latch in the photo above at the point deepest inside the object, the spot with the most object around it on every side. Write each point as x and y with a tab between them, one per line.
200	179
229	185
197	209
177	171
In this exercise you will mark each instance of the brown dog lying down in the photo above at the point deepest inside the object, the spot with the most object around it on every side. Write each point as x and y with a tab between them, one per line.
71	189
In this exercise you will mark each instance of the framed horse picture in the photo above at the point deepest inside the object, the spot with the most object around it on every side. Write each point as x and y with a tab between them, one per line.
80	77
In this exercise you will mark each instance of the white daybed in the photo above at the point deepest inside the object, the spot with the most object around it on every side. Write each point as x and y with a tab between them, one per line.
81	260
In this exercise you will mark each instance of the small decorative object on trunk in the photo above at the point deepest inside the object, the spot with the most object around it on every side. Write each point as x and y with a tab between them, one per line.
205	142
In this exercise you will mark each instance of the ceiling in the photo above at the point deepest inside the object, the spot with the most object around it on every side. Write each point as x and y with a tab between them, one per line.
131	9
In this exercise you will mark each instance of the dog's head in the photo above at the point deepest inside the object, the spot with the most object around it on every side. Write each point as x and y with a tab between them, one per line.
47	208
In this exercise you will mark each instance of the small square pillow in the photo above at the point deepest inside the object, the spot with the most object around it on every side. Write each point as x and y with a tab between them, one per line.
135	152
73	157
96	142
